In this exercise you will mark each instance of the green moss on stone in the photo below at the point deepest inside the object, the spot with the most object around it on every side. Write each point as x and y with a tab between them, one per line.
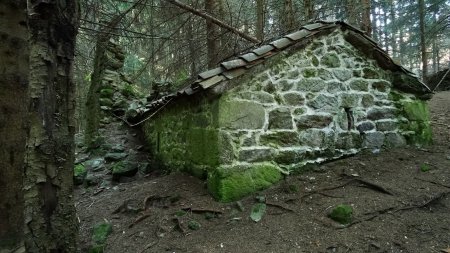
342	214
331	60
229	184
107	93
79	173
99	235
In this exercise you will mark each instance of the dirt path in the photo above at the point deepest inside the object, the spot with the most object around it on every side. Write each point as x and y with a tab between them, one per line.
400	199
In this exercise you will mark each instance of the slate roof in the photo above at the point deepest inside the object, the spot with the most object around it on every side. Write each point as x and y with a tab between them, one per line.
230	69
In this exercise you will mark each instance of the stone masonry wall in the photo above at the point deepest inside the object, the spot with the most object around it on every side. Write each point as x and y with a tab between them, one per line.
319	103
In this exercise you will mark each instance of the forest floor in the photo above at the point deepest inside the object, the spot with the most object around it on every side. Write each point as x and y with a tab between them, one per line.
400	200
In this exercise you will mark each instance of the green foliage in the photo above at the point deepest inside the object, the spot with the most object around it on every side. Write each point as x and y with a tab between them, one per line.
425	167
194	225
99	235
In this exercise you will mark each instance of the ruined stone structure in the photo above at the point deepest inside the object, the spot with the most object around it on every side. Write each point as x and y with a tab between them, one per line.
317	94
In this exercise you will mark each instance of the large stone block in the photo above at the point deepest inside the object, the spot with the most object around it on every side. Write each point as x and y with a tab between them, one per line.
381	86
293	98
325	103
359	85
381	113
331	60
258	96
394	140
342	74
232	183
280	118
373	140
317	138
241	115
313	85
386	125
334	87
280	139
365	126
254	154
349	100
290	156
313	121
348	140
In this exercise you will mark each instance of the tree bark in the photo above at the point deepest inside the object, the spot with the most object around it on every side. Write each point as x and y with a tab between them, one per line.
50	221
212	34
366	25
352	17
308	6
374	21
13	104
287	16
422	39
260	20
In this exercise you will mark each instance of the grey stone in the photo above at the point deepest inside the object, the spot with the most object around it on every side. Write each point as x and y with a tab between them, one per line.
348	140
285	85
381	113
342	74
293	98
370	73
299	111
241	115
314	138
394	140
381	86
124	169
314	61
357	73
365	126
259	96
227	151
293	73
324	74
280	118
359	85
334	87
115	156
349	100
309	72
280	139
313	85
106	102
386	125
331	60
373	140
313	121
367	100
256	154
93	179
95	164
324	103
290	156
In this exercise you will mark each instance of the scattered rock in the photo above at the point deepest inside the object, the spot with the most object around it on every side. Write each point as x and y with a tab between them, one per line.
79	174
115	156
95	164
123	169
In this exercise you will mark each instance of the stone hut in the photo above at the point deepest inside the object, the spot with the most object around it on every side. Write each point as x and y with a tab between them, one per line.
320	93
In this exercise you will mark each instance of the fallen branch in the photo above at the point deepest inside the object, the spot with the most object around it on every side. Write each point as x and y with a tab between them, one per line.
432	182
143	216
201	210
213	20
281	206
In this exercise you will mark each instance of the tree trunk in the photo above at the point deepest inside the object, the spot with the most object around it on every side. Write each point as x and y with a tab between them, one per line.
308	6
212	33
422	39
393	31
374	21
260	20
13	104
366	25
287	16
50	221
352	17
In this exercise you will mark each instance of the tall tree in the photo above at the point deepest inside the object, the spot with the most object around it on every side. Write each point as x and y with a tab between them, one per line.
50	221
366	25
308	6
13	104
260	20
212	33
423	48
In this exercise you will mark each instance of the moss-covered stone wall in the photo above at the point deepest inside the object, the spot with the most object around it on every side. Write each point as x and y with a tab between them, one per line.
321	102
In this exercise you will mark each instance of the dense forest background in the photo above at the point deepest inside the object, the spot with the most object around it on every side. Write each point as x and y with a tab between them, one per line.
164	44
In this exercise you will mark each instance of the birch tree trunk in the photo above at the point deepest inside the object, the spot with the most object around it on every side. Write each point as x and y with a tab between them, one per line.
50	221
13	104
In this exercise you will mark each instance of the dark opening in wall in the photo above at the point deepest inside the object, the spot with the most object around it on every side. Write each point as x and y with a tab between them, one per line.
350	118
